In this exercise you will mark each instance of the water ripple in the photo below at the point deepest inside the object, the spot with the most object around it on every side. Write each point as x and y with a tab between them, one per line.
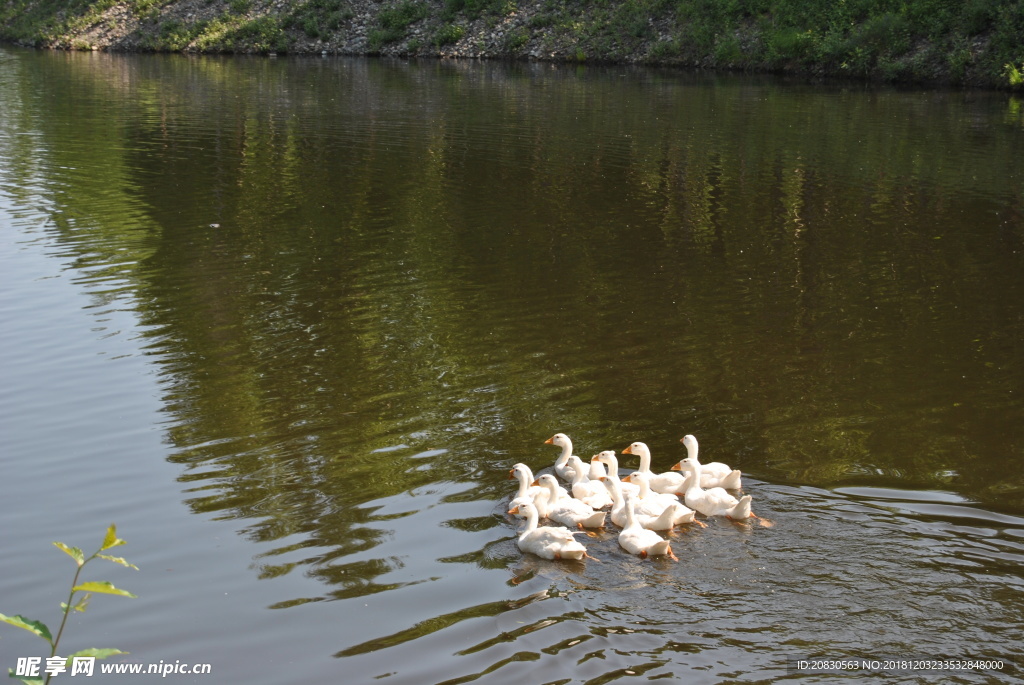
737	594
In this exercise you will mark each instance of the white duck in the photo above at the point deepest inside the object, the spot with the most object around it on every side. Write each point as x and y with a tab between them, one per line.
714	474
549	542
590	492
609	459
666	520
668	482
654	503
636	539
565	510
714	501
527	491
562	467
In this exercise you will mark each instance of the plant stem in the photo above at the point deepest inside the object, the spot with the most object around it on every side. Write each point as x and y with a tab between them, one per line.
67	610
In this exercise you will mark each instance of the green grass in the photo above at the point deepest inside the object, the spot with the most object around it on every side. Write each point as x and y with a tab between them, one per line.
231	34
1014	76
46	20
398	17
393	23
175	35
665	49
263	34
960	41
514	40
319	18
472	9
448	34
875	38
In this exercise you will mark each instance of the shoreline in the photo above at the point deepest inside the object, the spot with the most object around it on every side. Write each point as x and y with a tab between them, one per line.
978	48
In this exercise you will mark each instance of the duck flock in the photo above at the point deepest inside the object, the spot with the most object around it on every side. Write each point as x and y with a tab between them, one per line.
641	503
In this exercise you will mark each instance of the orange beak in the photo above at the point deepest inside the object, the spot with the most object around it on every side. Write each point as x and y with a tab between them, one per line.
514	510
536	482
511	474
626	451
626	480
676	467
550	441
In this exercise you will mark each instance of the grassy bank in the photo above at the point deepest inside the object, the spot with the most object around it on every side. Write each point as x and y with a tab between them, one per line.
961	42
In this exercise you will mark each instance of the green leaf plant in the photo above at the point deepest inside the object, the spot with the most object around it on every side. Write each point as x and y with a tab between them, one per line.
1014	75
84	592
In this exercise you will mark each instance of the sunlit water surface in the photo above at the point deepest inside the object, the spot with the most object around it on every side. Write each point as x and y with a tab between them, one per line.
290	322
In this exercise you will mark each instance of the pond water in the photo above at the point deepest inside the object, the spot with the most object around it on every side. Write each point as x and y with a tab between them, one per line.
289	322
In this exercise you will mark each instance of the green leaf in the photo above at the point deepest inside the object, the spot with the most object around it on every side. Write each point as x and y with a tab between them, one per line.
98	653
111	540
101	586
31	626
117	560
27	681
72	552
81	605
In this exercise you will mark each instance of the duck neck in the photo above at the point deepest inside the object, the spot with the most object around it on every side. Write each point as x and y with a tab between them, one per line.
542	500
645	460
691	450
692	481
630	515
615	490
579	473
551	492
532	518
644	485
524	484
563	458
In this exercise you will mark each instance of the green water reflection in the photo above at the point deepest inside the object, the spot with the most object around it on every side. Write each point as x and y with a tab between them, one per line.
335	258
367	288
